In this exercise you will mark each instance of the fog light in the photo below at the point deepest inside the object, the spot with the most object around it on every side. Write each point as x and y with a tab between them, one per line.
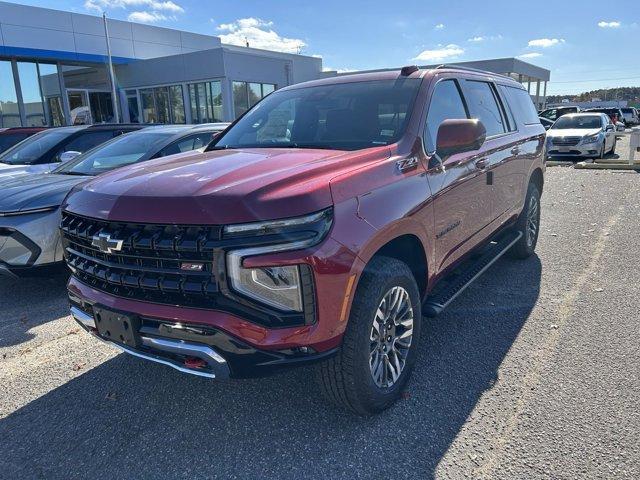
278	287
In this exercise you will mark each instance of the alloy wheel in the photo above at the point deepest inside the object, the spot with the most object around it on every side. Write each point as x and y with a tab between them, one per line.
390	337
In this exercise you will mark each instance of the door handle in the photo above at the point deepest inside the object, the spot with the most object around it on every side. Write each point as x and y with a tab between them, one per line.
515	151
482	164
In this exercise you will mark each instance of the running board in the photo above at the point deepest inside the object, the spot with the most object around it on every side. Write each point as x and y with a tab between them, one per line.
447	290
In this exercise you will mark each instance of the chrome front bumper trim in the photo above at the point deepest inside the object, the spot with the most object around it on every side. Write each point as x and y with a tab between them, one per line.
217	363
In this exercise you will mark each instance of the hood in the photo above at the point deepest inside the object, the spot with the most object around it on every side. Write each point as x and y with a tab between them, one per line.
7	171
219	187
26	192
572	132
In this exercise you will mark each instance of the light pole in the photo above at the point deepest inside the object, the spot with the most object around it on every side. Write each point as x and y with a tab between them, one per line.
112	75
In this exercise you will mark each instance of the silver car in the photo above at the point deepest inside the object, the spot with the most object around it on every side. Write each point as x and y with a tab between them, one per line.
30	203
582	135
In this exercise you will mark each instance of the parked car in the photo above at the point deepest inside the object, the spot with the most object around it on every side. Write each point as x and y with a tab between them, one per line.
14	135
582	135
44	151
630	116
546	123
615	114
30	204
556	112
319	227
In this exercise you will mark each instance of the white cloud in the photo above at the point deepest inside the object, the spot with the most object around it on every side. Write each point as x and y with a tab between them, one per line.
259	34
484	38
530	55
546	42
153	5
148	17
442	53
477	39
604	24
439	26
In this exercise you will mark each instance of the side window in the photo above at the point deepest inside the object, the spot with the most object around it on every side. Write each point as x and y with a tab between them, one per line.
446	103
85	142
186	144
483	105
511	123
522	106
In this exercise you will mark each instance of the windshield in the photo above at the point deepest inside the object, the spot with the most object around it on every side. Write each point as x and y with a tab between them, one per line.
627	110
9	140
119	152
589	122
30	150
347	116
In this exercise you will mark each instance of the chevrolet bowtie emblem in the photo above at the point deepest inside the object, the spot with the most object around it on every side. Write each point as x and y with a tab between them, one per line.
106	244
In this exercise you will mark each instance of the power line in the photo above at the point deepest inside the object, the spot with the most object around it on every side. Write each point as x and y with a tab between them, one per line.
597	80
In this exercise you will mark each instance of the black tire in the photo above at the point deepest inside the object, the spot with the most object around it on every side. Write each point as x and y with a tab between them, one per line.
525	247
603	151
347	380
613	148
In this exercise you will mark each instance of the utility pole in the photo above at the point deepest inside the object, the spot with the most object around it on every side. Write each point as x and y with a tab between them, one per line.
112	75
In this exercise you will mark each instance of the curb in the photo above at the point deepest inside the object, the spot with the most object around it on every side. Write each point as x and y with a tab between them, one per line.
607	166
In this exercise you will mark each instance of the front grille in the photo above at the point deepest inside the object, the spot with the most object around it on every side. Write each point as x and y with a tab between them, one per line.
151	264
565	141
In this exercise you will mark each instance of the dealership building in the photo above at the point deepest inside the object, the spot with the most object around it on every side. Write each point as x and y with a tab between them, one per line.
54	71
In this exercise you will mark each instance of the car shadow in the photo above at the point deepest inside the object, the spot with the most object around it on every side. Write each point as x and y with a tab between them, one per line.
29	302
127	418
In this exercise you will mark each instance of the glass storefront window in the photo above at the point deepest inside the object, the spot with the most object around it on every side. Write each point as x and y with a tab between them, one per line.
162	104
206	102
240	99
50	87
31	95
9	111
255	93
132	104
177	104
148	106
101	107
246	95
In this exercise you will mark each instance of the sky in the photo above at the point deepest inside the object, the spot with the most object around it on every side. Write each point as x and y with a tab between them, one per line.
587	44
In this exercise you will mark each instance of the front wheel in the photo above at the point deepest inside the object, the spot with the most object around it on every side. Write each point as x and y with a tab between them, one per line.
380	343
528	224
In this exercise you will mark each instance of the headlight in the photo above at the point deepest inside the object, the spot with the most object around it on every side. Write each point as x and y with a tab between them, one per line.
591	139
277	286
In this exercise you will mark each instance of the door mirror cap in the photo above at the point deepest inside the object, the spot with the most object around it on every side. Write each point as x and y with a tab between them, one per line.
68	156
459	136
609	128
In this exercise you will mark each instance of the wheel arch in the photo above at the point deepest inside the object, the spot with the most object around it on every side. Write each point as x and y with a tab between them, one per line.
537	177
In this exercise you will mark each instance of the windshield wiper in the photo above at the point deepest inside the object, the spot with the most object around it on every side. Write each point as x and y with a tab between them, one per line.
79	174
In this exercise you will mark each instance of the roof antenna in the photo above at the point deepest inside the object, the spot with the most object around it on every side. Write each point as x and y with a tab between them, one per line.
246	41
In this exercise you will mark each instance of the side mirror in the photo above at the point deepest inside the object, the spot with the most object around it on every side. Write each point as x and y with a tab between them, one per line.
68	156
609	128
459	136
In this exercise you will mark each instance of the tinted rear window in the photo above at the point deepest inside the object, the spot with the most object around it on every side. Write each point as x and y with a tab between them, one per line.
8	141
521	105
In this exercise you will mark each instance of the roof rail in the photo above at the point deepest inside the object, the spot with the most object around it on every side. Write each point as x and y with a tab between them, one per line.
470	69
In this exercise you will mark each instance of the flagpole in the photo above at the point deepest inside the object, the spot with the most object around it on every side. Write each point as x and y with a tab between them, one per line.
112	75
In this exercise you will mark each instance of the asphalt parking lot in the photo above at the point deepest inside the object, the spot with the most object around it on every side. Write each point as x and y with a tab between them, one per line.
532	373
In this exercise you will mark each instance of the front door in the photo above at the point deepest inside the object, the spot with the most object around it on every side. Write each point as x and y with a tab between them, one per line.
79	107
462	207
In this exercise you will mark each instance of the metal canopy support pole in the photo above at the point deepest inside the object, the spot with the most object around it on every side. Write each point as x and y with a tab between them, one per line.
544	95
538	94
529	85
112	75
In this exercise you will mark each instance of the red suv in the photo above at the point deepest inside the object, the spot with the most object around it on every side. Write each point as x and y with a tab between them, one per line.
319	227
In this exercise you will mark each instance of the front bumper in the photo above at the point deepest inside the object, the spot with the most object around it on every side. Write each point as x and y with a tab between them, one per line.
588	150
200	351
29	241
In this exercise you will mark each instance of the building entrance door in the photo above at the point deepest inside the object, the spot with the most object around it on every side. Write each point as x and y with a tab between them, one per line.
79	107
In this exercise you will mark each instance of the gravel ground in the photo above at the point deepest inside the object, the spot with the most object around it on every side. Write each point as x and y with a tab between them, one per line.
533	373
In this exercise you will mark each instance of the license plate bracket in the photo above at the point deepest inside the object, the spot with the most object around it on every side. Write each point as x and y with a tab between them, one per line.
117	326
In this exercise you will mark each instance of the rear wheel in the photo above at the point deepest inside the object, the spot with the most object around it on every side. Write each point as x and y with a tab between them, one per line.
528	224
379	347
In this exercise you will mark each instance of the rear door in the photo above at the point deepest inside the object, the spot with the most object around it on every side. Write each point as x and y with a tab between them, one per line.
503	165
461	204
